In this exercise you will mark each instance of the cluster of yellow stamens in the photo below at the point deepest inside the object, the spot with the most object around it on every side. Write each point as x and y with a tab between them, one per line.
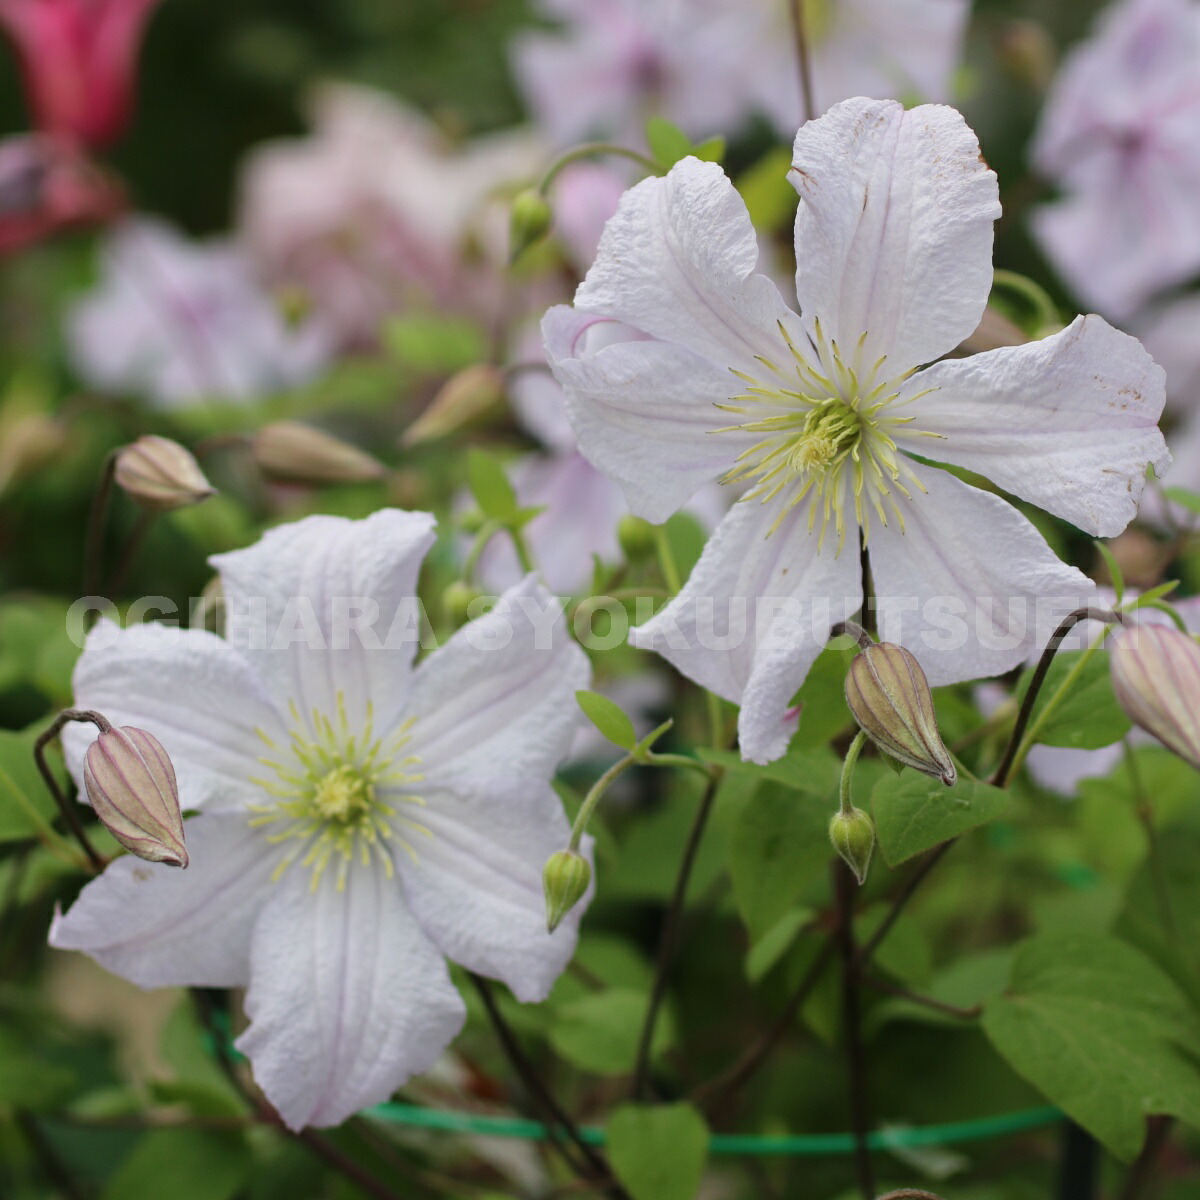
828	434
336	793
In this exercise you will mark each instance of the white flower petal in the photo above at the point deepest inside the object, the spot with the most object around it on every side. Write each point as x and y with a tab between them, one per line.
347	997
677	262
160	926
495	706
755	613
475	884
1068	423
192	691
894	229
969	586
312	605
643	411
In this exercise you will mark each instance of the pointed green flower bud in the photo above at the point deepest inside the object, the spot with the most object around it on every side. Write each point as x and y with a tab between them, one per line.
1156	677
298	453
529	221
853	836
889	696
160	474
636	537
131	785
565	878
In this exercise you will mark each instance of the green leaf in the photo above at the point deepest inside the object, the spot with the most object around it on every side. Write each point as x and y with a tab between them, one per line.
1089	717
775	943
435	345
710	150
822	699
1097	1028
27	1080
189	1164
1183	497
780	842
608	719
668	143
770	198
25	803
813	771
658	1151
491	488
1114	570
915	812
1152	595
599	1032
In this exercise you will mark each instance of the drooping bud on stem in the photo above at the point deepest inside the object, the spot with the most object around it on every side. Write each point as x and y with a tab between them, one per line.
160	474
565	879
298	453
853	836
636	537
890	698
529	221
131	785
1156	677
466	397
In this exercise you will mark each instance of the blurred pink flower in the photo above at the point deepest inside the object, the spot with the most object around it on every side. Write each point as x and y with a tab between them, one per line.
179	322
46	186
1118	136
708	65
79	59
369	215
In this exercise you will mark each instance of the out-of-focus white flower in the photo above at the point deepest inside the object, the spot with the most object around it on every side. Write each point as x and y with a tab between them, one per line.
368	215
179	322
360	819
709	65
1118	136
681	364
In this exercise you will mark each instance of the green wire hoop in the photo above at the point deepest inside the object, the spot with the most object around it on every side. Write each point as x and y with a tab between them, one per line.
795	1145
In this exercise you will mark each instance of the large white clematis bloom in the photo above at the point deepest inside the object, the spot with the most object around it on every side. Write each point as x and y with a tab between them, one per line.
680	363
360	819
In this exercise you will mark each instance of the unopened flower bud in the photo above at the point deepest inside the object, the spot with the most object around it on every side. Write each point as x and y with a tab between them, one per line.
131	785
298	453
889	696
463	399
636	537
853	837
459	602
529	221
28	443
160	474
565	878
1156	677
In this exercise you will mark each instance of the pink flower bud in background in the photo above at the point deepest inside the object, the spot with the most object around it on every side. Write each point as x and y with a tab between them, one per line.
1156	678
79	60
131	785
160	474
298	453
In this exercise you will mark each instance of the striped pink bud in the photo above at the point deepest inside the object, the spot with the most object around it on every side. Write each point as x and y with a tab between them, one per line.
889	696
131	785
1156	677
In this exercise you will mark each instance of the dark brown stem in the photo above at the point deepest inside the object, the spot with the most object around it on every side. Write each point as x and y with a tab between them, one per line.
69	810
1000	778
93	546
910	1194
565	1137
133	543
1144	1165
951	1010
56	1172
803	59
914	881
844	887
669	935
736	1074
855	630
321	1146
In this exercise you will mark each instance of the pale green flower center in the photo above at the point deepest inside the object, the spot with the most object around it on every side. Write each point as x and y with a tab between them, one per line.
828	435
337	794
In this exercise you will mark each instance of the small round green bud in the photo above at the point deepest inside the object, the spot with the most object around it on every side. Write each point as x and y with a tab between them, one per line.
471	521
529	221
853	837
565	878
457	602
636	537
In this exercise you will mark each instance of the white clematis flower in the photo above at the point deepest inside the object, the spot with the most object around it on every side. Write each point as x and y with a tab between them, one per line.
680	363
361	819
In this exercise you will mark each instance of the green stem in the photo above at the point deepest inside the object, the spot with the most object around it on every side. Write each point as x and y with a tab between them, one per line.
666	560
594	150
803	59
1047	314
593	797
69	810
844	791
487	531
521	546
678	760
